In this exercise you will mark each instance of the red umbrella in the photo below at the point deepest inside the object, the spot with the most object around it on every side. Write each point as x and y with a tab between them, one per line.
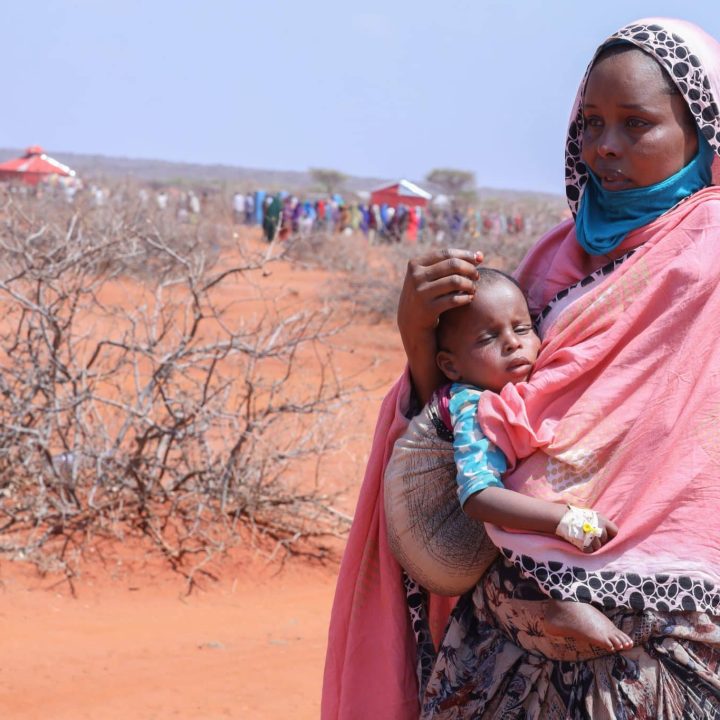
33	167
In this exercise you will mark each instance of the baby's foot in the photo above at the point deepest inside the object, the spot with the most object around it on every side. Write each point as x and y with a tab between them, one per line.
584	622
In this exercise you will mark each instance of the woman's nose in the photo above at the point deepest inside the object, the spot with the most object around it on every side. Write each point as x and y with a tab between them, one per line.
608	144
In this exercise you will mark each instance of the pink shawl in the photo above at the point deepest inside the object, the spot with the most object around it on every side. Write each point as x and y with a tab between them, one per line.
371	662
623	415
624	404
620	413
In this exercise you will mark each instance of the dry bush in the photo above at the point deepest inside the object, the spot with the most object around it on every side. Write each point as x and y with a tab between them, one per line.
506	250
369	277
136	404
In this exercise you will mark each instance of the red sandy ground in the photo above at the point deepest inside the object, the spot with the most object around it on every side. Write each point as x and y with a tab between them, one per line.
133	646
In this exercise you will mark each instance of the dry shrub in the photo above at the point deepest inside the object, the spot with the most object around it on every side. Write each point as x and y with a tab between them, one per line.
137	403
369	277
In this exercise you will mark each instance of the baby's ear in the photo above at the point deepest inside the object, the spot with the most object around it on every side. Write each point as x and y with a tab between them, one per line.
446	362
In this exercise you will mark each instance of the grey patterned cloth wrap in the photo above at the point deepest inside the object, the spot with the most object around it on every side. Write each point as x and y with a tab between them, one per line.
433	540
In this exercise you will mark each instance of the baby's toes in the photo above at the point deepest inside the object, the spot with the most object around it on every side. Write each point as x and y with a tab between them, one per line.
620	641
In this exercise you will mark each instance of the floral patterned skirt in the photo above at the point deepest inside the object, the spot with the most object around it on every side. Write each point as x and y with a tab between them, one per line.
495	663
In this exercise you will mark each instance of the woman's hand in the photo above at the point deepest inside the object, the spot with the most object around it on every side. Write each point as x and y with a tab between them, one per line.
441	280
436	282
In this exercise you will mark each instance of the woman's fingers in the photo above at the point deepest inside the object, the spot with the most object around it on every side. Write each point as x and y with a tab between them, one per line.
441	255
449	301
440	280
441	264
447	285
447	269
434	267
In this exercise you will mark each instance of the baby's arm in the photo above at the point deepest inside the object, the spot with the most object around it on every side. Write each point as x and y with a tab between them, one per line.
483	497
511	509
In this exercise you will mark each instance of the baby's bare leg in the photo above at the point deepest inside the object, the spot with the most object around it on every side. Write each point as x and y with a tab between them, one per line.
584	622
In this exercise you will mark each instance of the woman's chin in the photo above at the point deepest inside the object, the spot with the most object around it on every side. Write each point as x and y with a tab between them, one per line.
617	185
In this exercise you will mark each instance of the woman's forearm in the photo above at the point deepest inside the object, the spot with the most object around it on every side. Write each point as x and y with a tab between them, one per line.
511	509
424	372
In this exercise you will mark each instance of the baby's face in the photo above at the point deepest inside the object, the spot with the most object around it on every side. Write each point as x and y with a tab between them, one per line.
493	343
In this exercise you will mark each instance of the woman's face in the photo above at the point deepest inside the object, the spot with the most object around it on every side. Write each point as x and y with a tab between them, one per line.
636	132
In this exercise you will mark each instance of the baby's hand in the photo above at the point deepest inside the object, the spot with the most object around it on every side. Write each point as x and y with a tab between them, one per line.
608	531
586	529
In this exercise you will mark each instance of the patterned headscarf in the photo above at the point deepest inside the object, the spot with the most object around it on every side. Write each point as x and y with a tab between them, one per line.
691	58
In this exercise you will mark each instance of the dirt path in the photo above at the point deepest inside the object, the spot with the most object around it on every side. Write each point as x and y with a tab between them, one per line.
251	648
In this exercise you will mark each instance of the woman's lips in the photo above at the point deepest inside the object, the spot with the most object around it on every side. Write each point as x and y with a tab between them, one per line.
614	180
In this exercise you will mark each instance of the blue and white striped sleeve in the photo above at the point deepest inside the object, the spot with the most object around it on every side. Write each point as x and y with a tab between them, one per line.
479	462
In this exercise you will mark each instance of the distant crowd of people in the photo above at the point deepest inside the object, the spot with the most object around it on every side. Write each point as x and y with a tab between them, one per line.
184	203
283	215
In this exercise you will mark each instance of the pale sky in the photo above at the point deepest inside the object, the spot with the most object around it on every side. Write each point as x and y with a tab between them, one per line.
389	88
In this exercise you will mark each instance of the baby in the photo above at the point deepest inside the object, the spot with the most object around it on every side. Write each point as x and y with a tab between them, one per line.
482	346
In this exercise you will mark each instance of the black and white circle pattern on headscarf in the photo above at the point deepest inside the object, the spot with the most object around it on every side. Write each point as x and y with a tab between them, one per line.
686	70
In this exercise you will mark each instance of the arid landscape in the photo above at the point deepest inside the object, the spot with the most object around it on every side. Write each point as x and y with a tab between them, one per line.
188	412
207	211
119	635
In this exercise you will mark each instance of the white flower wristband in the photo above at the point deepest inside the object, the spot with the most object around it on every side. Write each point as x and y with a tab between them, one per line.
579	527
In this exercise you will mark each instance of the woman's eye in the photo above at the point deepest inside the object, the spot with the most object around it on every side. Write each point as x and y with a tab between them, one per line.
593	122
636	123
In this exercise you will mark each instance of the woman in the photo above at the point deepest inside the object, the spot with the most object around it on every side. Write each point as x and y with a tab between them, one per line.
621	413
271	217
623	406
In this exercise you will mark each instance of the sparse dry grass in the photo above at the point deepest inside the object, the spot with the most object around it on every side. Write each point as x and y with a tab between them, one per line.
133	405
138	403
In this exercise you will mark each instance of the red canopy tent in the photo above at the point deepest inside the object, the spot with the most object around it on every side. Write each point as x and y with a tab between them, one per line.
33	167
402	192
